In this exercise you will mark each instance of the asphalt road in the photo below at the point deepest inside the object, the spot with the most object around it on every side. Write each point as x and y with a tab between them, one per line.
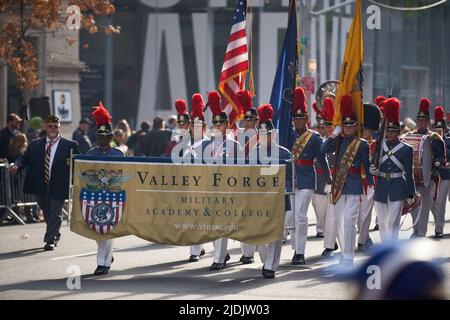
144	270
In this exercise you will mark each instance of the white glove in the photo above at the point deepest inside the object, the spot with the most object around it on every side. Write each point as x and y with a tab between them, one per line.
374	170
337	131
410	201
437	164
370	192
327	188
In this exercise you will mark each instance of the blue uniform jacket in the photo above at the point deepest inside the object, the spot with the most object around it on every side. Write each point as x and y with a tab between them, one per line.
445	173
113	152
321	181
396	189
353	184
306	175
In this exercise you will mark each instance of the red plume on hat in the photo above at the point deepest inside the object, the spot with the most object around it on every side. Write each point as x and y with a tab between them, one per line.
392	110
198	104
328	109
244	98
316	109
379	100
299	100
265	113
424	105
181	106
346	106
101	115
439	114
215	102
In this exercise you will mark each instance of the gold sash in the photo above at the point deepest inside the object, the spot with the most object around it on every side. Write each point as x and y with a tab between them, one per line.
300	144
342	172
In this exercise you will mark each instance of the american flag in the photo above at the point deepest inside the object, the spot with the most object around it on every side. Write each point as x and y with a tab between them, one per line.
90	200
235	65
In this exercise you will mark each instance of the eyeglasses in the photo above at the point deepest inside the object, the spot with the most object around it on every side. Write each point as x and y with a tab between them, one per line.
53	126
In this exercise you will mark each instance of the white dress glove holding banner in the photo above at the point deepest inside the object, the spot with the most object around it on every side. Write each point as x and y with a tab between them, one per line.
327	188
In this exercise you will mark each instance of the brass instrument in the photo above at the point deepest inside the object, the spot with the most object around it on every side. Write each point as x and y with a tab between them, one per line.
326	89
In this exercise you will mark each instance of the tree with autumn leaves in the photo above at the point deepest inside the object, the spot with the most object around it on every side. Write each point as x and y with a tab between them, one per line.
20	20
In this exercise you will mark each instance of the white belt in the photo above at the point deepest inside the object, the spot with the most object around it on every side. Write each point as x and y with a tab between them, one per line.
390	175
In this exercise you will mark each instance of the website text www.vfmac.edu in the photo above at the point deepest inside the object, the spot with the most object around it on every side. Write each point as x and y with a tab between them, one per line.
206	227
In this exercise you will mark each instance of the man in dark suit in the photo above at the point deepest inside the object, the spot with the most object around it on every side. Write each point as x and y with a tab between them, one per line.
154	143
48	162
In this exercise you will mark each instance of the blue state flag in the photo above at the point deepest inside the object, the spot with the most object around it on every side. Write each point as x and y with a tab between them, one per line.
286	79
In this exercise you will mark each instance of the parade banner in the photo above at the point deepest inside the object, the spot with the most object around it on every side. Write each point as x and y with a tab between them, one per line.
177	204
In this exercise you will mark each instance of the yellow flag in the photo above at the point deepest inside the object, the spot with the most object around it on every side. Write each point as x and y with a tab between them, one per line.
351	77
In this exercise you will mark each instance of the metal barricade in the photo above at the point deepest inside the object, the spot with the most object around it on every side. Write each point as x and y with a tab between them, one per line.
8	192
12	196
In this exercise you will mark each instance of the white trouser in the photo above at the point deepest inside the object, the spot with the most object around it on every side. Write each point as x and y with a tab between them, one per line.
427	197
195	250
320	203
104	252
262	250
247	250
364	219
438	207
272	255
346	212
220	250
330	226
302	201
389	215
288	223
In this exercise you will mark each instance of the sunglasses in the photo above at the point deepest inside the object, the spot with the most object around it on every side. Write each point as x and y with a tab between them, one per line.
52	126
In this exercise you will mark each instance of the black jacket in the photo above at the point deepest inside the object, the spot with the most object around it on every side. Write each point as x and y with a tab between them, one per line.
83	140
5	138
154	143
34	159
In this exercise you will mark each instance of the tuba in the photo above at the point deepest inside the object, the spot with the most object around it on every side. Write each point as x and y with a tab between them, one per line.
326	89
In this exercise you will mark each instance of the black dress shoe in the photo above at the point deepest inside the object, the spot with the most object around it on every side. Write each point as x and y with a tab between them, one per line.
415	235
376	228
246	260
101	271
439	235
327	252
112	259
298	259
320	235
227	258
216	266
364	247
194	258
49	246
268	274
202	253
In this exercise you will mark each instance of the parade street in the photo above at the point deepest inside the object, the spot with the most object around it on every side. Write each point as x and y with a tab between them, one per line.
143	270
